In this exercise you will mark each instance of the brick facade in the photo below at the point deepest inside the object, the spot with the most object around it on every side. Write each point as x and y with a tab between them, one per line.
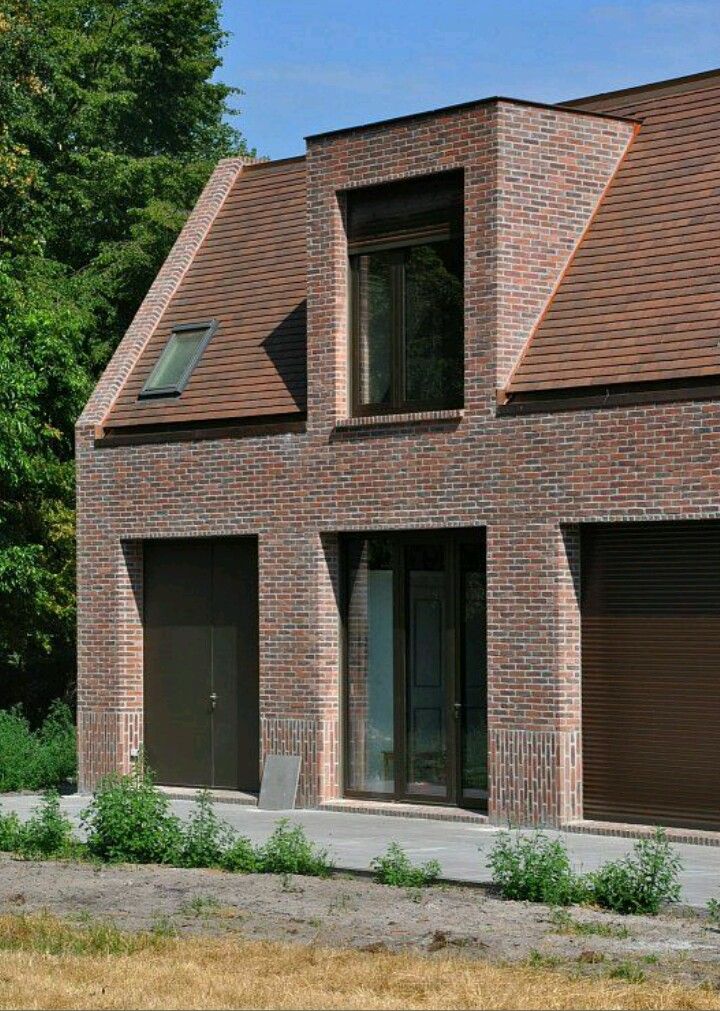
533	177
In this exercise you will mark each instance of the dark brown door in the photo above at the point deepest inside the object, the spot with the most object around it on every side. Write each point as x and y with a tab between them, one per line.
651	672
201	662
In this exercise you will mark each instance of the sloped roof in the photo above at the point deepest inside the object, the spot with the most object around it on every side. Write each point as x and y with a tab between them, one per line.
249	274
640	300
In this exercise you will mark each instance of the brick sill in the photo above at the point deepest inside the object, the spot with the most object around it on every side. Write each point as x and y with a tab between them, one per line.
415	417
692	836
391	809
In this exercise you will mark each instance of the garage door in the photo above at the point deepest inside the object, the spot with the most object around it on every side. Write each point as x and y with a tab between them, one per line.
651	672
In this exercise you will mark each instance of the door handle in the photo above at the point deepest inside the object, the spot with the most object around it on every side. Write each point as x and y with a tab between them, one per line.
457	706
213	699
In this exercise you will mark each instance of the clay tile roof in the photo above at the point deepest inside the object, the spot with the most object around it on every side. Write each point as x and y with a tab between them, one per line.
249	274
640	299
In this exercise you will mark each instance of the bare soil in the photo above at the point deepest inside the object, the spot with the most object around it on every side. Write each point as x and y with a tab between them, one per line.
355	912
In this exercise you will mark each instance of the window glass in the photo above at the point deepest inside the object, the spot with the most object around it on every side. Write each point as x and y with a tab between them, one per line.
375	326
408	326
433	344
176	361
370	635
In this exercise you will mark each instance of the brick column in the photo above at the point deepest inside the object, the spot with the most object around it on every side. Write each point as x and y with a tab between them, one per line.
300	657
534	697
110	644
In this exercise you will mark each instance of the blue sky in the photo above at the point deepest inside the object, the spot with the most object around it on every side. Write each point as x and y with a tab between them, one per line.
313	65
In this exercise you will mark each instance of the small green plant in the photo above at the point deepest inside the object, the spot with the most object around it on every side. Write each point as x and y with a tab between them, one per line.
163	927
48	832
537	960
205	838
201	905
289	851
533	868
129	820
643	881
629	972
564	923
713	911
394	867
37	759
240	857
10	829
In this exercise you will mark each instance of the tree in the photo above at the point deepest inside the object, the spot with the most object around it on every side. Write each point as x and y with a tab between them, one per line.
110	124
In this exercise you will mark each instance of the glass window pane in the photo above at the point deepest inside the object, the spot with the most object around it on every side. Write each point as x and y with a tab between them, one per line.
374	326
474	659
433	349
175	359
427	755
370	631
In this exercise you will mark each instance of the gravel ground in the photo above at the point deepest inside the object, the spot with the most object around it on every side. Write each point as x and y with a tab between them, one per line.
351	911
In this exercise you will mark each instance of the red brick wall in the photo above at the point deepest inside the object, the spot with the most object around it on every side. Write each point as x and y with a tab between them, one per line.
530	481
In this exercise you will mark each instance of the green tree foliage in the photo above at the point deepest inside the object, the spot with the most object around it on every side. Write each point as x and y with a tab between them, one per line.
110	123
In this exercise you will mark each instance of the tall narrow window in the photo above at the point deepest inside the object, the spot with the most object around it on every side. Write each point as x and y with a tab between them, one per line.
406	268
370	635
178	359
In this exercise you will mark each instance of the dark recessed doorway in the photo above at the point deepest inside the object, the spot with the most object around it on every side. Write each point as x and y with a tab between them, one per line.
201	662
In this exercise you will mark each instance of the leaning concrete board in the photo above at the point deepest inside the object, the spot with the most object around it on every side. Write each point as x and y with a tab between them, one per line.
278	788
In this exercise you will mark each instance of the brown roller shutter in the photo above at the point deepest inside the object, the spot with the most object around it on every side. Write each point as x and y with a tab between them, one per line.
651	672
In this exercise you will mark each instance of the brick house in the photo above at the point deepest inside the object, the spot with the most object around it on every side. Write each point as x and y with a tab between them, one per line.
408	465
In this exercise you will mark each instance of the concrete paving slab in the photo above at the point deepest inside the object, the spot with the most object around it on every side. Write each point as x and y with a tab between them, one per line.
354	839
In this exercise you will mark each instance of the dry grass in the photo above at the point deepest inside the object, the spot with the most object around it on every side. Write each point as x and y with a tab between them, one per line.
45	964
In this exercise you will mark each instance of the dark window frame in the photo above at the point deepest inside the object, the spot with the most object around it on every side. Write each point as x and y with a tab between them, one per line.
399	241
174	390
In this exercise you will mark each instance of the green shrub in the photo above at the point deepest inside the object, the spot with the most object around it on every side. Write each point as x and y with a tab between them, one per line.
205	838
240	857
533	868
129	820
713	911
643	881
289	851
37	760
57	748
395	868
47	833
10	829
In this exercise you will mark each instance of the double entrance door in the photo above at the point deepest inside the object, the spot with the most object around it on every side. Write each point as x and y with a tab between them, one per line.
201	662
416	685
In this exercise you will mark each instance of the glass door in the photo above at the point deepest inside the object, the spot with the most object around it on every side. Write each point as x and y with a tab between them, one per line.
427	725
416	686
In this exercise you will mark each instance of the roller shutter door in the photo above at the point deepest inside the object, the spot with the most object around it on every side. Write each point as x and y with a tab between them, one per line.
651	672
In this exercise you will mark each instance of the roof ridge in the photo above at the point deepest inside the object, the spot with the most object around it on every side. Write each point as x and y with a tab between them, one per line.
702	75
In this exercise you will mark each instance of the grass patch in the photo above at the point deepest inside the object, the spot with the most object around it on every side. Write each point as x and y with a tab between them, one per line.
48	936
39	759
201	906
564	923
629	972
47	964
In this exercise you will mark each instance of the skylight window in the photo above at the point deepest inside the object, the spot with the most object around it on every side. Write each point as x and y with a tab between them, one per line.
178	359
